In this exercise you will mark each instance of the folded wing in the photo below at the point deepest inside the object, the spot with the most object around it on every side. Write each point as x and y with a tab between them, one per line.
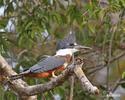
47	64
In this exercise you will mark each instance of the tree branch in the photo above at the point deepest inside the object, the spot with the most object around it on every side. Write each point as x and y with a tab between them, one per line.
20	87
72	81
85	82
17	85
101	66
71	87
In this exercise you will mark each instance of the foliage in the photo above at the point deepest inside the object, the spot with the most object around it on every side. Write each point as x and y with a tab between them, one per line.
37	24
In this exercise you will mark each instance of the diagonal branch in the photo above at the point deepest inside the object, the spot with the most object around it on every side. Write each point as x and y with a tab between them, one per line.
101	66
17	85
85	82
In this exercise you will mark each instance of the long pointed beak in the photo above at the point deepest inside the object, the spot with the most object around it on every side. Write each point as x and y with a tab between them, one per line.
79	47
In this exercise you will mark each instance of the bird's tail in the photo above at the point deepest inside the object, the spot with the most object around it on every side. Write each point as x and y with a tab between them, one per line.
14	77
18	76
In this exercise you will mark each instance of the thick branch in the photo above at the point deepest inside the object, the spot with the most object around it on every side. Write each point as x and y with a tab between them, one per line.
23	89
17	85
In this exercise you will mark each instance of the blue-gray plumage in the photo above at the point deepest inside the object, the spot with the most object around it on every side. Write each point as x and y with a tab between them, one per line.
47	64
65	43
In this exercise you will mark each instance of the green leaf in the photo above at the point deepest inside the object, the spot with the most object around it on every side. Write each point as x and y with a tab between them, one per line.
28	25
123	3
63	17
79	20
1	3
5	55
90	5
91	27
3	23
101	14
123	75
9	8
32	34
72	17
5	44
39	35
20	39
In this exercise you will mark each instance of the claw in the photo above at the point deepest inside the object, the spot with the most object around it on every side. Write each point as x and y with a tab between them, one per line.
53	76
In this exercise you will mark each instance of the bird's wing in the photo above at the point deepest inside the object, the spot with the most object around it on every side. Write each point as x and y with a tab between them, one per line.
47	64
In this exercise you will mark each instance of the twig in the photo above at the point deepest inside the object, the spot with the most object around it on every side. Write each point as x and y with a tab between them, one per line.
101	66
122	82
71	87
116	84
8	17
43	97
110	51
119	69
87	52
72	82
20	54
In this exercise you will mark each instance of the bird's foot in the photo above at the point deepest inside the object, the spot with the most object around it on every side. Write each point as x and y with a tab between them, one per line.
53	76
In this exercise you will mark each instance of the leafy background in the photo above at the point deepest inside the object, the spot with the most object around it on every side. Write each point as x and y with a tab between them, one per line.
30	29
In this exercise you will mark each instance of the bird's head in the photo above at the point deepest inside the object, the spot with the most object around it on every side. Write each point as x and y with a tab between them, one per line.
68	45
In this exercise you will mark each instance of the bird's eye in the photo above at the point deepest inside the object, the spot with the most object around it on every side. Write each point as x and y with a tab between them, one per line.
71	44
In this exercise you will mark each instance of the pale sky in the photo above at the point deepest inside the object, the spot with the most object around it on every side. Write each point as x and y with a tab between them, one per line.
9	26
1	11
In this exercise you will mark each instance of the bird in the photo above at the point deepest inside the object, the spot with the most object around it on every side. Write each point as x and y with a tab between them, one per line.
52	65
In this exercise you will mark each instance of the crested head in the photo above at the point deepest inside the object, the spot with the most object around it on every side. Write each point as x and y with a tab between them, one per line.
68	45
66	42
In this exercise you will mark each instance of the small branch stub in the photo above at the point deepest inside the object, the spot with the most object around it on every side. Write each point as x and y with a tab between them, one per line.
85	82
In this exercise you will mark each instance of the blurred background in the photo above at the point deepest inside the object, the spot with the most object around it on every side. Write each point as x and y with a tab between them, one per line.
30	29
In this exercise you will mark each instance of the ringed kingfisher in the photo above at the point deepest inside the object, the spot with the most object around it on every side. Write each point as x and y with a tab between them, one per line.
51	65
